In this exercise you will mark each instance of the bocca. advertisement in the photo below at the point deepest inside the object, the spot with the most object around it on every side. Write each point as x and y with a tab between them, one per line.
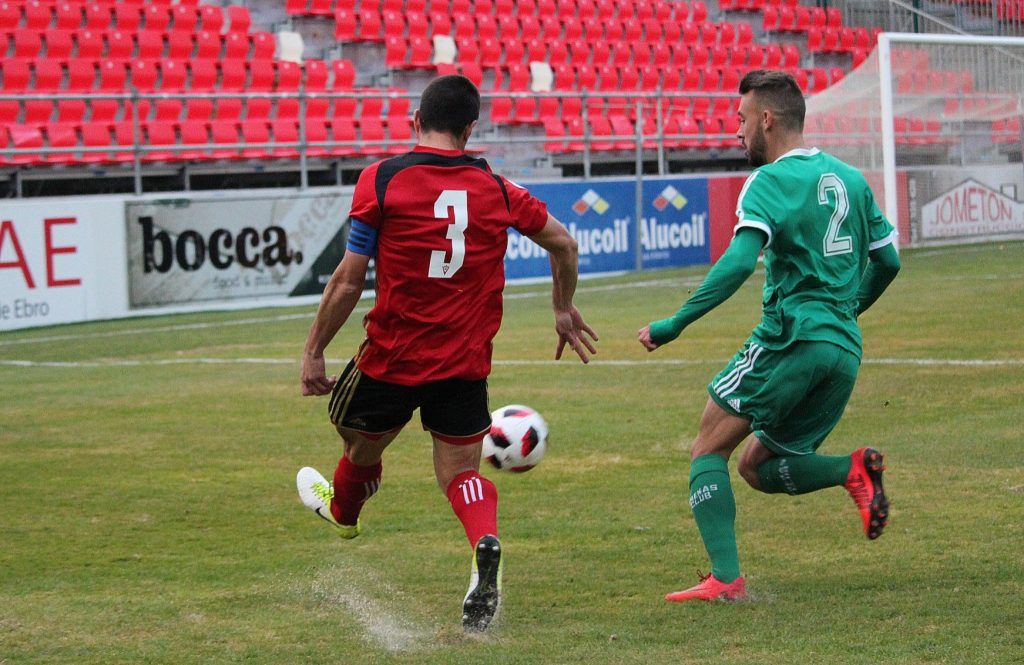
187	250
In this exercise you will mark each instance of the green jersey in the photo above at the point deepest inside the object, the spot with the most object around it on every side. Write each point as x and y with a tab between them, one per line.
821	221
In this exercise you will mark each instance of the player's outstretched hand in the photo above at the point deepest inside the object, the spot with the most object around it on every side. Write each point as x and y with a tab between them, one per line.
570	327
314	376
644	335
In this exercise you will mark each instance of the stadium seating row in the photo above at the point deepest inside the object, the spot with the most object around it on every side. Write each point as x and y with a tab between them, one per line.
63	43
602	9
371	25
359	104
153	16
375	27
79	75
195	140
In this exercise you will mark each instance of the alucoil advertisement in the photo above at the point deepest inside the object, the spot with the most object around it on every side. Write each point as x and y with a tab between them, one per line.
601	215
189	250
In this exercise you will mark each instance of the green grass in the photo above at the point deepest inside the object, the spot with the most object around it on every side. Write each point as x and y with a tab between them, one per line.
149	513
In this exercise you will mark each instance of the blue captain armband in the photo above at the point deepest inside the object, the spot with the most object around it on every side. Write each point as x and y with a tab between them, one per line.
362	238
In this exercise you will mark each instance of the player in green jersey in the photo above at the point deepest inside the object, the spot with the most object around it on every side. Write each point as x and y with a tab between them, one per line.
828	254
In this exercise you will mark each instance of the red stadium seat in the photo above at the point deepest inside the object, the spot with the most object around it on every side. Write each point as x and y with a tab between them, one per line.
199	109
194	133
113	75
60	135
120	45
150	46
258	108
38	15
229	108
159	135
103	110
344	25
37	111
89	45
209	44
203	75
211	17
180	46
185	19
167	110
71	110
157	18
172	75
316	132
344	74
289	76
315	72
224	132
143	74
10	17
261	75
263	45
81	75
95	135
128	17
232	75
343	130
285	131
239	19
255	132
236	45
97	16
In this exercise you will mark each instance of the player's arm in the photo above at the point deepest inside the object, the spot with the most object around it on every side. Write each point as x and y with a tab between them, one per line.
564	255
725	277
883	265
339	299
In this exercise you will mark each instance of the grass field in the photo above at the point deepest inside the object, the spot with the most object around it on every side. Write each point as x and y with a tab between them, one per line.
149	512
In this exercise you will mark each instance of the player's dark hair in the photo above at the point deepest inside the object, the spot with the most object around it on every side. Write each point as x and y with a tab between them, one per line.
449	104
778	92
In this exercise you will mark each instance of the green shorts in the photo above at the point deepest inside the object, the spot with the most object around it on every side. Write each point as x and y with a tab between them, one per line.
793	397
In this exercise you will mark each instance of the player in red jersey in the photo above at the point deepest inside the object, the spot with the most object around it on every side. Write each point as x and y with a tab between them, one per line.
436	220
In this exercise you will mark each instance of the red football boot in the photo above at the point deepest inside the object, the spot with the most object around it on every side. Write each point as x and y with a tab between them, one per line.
710	588
864	483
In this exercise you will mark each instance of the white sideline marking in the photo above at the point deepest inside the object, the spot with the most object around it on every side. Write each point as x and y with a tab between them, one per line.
682	281
927	362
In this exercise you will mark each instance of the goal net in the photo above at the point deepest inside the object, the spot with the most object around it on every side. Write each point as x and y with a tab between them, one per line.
934	121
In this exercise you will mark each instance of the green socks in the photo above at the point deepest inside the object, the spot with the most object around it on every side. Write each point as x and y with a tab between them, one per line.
800	474
714	509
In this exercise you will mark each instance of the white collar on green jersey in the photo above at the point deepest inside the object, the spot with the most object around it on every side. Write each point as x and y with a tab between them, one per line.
799	152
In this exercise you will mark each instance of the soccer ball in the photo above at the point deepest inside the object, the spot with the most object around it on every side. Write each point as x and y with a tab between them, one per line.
517	440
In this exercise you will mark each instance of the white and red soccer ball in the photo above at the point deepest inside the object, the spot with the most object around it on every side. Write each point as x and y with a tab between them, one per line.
517	440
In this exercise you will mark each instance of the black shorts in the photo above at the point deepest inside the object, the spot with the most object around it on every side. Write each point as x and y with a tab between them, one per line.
454	410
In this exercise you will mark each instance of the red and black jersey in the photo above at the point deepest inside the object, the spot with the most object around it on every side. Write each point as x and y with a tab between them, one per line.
441	218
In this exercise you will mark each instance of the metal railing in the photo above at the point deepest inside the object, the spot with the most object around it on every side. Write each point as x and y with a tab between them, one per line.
986	17
135	108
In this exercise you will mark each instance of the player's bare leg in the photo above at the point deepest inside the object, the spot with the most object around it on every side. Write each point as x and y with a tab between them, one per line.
713	504
356	479
754	453
474	500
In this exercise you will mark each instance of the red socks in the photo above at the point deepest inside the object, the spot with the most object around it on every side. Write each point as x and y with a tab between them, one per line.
353	486
475	502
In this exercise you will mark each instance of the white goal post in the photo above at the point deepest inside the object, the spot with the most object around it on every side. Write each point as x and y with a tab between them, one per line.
935	123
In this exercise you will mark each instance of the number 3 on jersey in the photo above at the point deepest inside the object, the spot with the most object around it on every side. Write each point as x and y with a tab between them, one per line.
834	243
455	199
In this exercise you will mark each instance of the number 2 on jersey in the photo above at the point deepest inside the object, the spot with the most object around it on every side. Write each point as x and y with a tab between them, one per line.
455	199
834	243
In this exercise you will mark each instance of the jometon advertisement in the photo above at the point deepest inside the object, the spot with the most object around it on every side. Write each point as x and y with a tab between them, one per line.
188	250
969	203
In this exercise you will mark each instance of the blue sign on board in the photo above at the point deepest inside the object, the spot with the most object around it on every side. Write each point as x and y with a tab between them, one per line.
601	216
